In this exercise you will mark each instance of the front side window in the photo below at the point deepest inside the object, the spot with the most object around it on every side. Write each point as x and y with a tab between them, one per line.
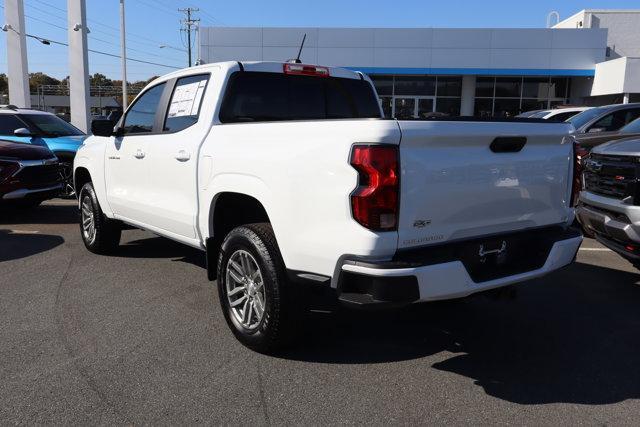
616	120
184	107
9	123
142	114
585	117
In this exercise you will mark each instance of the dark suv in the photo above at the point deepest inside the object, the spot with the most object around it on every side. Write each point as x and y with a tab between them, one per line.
41	128
602	121
29	174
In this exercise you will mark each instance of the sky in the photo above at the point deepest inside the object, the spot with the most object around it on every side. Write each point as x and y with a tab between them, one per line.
152	23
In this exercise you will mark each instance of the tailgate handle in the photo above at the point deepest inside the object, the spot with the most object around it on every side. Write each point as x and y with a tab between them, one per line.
508	144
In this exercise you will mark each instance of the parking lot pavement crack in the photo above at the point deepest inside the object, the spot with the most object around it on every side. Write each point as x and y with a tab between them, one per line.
75	359
263	401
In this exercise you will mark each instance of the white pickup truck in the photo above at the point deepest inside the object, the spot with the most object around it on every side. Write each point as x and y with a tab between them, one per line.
292	182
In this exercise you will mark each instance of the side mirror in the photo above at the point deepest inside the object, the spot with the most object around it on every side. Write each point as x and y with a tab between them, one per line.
102	127
596	130
22	132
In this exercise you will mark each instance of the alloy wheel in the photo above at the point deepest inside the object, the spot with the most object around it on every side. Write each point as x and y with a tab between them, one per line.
245	289
88	220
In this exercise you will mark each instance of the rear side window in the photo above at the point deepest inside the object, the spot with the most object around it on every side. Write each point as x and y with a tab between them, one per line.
257	96
9	123
184	107
142	114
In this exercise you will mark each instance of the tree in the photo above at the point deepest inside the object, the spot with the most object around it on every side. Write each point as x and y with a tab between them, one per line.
100	80
38	79
4	83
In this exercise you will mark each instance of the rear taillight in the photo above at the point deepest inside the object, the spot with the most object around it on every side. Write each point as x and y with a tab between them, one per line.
306	70
374	204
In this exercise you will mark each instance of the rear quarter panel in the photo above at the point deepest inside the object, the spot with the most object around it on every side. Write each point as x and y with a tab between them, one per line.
301	174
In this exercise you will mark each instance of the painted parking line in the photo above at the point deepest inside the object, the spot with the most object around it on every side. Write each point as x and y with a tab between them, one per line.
24	231
596	249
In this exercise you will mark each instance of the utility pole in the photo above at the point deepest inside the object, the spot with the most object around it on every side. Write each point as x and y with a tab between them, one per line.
188	26
123	57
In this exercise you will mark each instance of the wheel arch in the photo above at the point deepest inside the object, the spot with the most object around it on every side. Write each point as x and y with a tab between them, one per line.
81	176
228	210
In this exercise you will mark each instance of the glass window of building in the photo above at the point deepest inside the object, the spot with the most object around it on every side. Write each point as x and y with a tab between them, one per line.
383	84
559	88
508	87
535	87
415	85
484	86
448	106
510	96
483	108
387	106
505	107
449	86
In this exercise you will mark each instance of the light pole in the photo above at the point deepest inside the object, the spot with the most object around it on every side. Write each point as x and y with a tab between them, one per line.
123	55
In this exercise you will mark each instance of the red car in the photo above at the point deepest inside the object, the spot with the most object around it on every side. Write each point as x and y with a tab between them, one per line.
29	174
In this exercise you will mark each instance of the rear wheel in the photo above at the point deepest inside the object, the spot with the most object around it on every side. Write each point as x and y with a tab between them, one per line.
255	295
100	234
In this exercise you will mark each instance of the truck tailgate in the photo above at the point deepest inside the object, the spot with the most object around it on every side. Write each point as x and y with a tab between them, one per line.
455	186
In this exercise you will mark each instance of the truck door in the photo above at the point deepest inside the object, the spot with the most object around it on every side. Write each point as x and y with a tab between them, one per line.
172	158
126	170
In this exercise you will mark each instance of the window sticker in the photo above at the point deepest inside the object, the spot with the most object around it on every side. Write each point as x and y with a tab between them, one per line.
186	99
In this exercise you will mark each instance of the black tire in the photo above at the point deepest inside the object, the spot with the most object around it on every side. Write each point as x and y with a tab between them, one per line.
106	237
277	326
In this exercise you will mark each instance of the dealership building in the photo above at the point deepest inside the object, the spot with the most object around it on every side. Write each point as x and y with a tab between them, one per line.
590	58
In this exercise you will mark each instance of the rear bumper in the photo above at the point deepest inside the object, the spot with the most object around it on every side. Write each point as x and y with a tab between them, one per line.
383	284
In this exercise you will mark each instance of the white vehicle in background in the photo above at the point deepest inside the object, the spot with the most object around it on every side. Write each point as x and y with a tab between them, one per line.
556	115
295	186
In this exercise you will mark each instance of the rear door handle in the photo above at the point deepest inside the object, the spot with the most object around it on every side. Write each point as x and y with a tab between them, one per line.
139	154
183	156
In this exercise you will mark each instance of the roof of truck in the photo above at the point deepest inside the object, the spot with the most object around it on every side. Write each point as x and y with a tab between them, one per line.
260	66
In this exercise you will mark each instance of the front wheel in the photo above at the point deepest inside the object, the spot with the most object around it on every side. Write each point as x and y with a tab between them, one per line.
255	295
100	234
66	176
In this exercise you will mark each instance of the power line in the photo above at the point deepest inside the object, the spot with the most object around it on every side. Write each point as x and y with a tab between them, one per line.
92	38
116	30
109	34
99	52
156	8
211	18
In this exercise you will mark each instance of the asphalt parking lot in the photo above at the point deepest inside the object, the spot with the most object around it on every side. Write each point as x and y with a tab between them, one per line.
139	338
